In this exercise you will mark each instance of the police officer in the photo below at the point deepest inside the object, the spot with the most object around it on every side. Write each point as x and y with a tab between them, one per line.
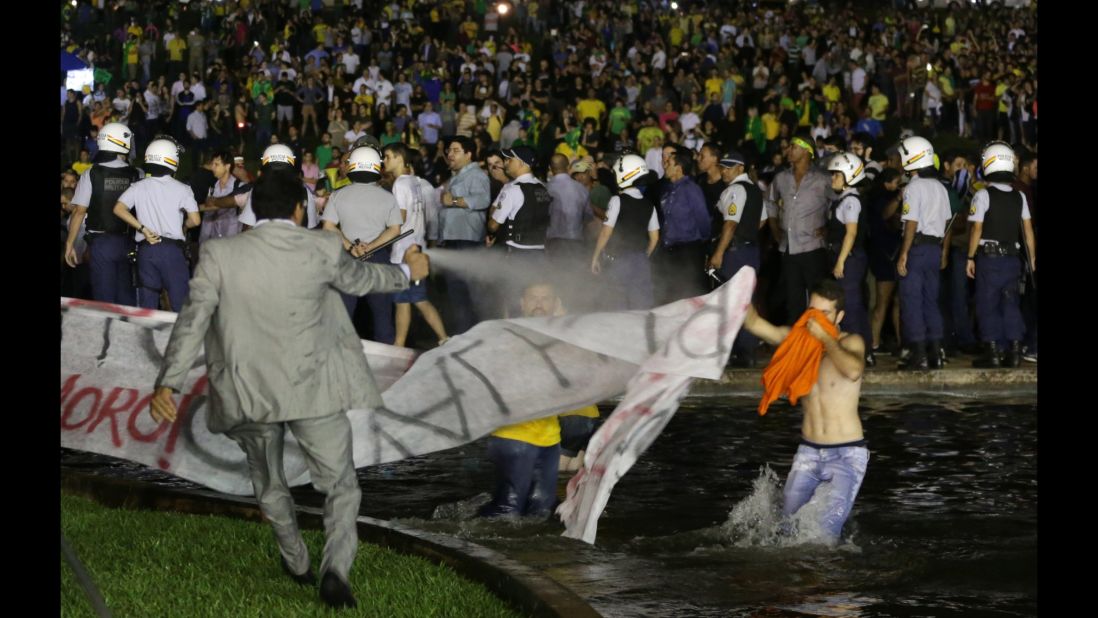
926	215
630	234
276	158
997	214
160	202
522	208
96	194
366	216
741	205
847	231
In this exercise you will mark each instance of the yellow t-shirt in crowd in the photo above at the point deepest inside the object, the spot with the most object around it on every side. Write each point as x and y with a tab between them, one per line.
832	94
494	127
676	36
590	108
175	49
999	90
878	106
713	85
773	127
539	432
80	168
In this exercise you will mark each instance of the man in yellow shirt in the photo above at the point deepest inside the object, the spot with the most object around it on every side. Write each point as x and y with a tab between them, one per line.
878	104
591	107
526	455
175	54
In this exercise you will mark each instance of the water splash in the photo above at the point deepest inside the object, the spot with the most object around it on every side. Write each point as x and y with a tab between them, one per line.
756	521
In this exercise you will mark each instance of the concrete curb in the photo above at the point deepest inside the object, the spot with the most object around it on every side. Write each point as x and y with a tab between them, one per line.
883	380
527	590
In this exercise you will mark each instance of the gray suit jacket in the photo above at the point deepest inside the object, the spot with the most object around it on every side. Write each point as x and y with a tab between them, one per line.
279	343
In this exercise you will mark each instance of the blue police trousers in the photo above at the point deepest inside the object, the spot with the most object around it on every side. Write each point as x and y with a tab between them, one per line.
736	258
920	318
162	267
109	269
998	313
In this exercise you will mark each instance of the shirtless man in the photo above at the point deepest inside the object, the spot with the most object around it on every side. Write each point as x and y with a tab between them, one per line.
832	446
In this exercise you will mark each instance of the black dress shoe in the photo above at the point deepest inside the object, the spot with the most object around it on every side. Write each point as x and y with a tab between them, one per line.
335	592
305	579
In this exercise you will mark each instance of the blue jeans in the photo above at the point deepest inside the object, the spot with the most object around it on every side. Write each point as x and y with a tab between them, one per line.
162	267
998	313
380	303
631	273
736	258
109	268
920	318
955	315
843	467
457	291
526	478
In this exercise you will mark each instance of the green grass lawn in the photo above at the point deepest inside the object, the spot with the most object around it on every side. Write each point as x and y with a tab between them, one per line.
150	563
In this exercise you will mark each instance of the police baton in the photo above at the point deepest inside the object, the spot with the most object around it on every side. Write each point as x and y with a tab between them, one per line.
1025	256
366	256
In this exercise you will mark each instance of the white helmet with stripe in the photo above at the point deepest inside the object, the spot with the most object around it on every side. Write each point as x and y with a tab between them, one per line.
916	153
163	152
849	165
628	169
115	137
364	159
278	153
997	157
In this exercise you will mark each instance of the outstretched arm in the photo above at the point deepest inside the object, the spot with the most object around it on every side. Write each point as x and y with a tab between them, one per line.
764	330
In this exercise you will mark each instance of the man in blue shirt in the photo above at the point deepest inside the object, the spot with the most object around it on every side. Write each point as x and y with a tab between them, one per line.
461	221
685	227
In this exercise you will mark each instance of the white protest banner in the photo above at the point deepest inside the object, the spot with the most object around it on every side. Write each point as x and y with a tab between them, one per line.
500	372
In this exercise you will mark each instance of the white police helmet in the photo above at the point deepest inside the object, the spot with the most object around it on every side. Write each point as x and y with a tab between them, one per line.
998	157
628	169
916	153
849	165
115	137
278	153
163	152
364	159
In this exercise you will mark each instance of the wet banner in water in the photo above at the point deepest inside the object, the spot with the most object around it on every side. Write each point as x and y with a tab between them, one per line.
499	373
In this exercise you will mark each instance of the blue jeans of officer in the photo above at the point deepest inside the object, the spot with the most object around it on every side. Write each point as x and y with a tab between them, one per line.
162	267
998	313
457	291
920	318
856	319
955	313
526	478
842	467
735	258
631	273
381	305
109	268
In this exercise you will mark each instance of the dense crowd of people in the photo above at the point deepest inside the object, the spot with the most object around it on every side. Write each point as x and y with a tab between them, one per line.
656	146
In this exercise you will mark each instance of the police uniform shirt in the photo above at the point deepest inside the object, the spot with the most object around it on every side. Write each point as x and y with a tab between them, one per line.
981	203
362	211
160	203
613	208
927	202
510	201
411	198
247	216
733	200
82	195
849	207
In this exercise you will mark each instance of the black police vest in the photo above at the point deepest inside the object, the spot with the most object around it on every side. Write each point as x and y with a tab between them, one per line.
1002	222
631	228
747	231
531	222
108	184
836	230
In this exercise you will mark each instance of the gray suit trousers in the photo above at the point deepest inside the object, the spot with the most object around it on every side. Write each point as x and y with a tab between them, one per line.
326	442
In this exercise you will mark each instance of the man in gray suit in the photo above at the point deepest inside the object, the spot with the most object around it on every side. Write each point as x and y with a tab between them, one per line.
281	352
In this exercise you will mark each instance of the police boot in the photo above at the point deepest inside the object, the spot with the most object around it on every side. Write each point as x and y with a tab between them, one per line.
992	358
935	355
1014	355
870	359
917	360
